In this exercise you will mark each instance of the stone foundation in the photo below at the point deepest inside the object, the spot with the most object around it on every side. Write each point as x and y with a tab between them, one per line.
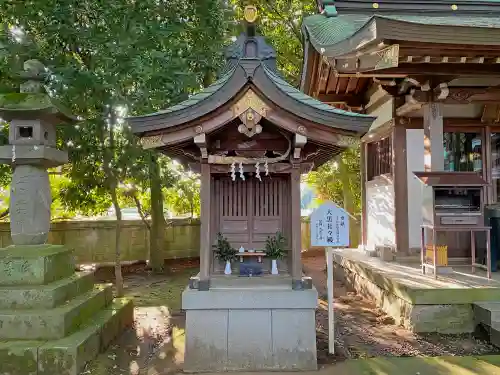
53	321
258	328
425	317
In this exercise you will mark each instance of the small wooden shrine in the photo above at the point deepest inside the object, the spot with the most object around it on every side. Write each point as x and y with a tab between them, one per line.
250	135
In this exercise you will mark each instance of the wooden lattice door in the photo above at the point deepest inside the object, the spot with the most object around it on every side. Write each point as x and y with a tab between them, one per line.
247	212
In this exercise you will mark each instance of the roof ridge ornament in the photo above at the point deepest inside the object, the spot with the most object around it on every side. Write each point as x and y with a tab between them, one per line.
328	8
250	13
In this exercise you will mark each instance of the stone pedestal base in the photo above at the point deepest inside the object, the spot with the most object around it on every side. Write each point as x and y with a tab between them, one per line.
250	329
52	320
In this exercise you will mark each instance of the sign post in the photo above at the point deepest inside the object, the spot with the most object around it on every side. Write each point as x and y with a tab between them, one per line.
330	229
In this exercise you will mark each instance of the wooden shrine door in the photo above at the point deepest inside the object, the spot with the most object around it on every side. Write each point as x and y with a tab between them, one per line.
249	211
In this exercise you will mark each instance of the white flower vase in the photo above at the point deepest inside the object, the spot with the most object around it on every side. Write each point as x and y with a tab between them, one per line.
227	270
274	267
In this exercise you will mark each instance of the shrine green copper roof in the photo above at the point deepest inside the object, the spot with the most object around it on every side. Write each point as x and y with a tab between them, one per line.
341	20
201	95
298	95
241	73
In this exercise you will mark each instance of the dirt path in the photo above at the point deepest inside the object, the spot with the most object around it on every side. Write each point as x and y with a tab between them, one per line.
363	330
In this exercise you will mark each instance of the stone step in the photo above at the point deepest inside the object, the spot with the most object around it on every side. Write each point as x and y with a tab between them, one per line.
47	324
486	313
68	355
46	296
35	265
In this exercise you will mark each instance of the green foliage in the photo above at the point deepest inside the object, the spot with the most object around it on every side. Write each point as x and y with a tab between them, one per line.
338	178
183	197
223	249
275	246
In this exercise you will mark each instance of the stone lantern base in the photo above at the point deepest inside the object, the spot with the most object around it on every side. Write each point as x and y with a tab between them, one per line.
53	320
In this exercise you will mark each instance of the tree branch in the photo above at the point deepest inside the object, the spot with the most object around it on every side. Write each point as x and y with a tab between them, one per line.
141	212
288	20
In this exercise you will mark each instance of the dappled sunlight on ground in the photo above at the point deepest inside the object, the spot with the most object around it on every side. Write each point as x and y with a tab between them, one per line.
155	344
363	331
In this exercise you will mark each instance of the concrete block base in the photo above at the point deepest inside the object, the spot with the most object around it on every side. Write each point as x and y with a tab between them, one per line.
250	329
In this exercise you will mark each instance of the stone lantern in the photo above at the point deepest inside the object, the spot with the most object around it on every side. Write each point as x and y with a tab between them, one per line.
52	320
33	116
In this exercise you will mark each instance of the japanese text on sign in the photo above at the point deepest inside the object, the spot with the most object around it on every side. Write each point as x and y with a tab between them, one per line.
329	226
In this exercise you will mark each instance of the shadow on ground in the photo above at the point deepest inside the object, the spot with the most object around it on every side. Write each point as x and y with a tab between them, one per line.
155	344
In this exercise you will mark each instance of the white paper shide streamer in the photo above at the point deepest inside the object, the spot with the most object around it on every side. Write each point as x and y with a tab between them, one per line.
233	171
241	172
257	171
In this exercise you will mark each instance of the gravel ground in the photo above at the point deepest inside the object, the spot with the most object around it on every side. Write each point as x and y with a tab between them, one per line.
362	330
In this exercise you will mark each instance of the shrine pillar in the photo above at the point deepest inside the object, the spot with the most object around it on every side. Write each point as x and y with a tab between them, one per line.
433	137
205	228
296	270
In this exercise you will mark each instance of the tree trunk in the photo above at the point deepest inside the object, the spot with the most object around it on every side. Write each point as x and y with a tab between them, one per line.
157	232
112	183
349	204
118	266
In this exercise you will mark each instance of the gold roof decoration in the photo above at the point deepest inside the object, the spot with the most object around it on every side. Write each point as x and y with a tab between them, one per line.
250	13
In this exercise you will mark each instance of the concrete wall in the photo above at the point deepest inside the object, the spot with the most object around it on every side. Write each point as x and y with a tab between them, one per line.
415	163
94	241
380	212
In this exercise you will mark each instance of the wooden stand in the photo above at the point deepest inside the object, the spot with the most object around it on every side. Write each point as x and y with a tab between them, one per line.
258	254
472	231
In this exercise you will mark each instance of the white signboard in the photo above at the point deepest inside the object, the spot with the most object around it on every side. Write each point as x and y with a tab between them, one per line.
329	226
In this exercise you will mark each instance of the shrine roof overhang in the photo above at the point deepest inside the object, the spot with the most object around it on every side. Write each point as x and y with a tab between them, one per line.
381	39
252	74
347	34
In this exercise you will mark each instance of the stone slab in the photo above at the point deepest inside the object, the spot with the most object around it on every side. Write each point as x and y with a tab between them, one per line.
206	341
35	265
114	319
246	338
441	318
250	343
45	296
294	333
414	293
19	357
250	298
45	156
46	324
69	355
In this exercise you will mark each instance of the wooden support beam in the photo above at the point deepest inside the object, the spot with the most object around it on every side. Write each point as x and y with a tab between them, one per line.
201	141
433	137
399	174
364	203
351	100
205	227
295	242
299	142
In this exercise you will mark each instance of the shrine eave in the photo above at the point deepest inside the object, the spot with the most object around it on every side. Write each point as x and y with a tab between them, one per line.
344	34
256	75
